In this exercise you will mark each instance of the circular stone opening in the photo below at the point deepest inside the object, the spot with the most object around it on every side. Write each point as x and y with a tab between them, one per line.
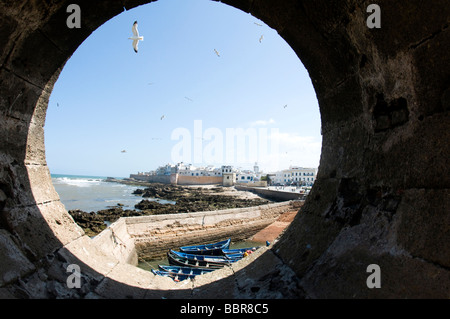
51	221
380	197
98	140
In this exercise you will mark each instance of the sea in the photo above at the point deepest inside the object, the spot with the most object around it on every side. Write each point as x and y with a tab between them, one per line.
93	193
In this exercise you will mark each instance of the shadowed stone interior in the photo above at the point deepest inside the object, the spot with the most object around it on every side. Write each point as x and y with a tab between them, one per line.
381	196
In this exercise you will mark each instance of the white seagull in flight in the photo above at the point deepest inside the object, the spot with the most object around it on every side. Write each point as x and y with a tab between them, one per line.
136	36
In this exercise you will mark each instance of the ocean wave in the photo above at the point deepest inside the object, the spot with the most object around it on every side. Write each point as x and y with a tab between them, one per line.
79	182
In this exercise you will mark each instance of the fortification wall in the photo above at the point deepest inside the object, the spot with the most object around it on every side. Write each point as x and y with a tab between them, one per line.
179	179
198	180
164	179
155	235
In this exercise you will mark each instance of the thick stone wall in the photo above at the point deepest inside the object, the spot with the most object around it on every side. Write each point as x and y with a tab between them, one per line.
163	179
116	241
382	191
155	235
179	179
274	195
198	180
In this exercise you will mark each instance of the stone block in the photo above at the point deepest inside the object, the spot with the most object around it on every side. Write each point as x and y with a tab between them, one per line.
219	283
13	137
92	260
42	228
126	281
35	66
411	158
263	275
344	276
13	263
305	240
41	184
424	229
17	97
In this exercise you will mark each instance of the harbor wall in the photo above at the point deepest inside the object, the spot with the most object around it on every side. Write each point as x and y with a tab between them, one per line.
155	235
117	242
253	184
275	195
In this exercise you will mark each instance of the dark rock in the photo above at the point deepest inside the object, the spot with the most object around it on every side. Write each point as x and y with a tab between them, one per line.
186	200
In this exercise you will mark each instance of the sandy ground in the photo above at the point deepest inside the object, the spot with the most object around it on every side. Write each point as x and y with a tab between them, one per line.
269	233
272	231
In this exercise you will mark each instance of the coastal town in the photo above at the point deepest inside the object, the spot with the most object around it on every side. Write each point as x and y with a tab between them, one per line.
227	175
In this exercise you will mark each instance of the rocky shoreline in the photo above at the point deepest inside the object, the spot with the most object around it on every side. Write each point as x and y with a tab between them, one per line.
183	199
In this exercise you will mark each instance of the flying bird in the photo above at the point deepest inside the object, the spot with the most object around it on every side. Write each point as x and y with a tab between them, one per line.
123	151
285	106
260	39
188	99
217	52
162	117
136	36
259	25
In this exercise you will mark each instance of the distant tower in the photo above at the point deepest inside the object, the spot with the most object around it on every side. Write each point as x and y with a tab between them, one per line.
228	177
256	168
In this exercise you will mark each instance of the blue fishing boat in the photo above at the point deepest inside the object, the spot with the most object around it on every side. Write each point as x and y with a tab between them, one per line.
175	277
207	249
228	252
209	258
184	270
198	261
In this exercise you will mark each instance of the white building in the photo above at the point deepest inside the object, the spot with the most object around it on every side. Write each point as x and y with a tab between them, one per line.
229	175
245	176
191	170
296	175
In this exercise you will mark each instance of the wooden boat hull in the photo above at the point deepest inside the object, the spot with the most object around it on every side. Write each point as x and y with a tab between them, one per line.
185	262
184	270
238	250
207	249
208	258
175	277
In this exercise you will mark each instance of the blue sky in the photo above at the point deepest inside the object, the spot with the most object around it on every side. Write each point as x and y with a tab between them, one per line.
109	98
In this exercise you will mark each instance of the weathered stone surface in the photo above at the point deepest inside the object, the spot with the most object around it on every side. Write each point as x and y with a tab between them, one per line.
267	278
424	229
382	190
43	228
13	262
92	260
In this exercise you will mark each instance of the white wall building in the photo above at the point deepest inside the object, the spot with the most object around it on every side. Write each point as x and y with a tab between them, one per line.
191	170
229	175
296	175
